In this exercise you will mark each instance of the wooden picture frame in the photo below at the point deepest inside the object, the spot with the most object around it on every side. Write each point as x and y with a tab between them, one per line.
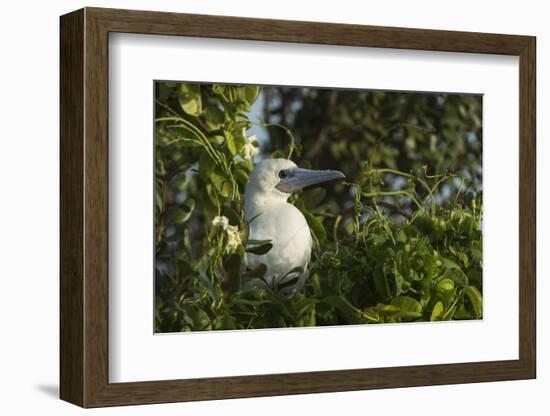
84	207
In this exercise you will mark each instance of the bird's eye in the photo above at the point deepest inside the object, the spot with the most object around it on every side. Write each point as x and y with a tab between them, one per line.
282	174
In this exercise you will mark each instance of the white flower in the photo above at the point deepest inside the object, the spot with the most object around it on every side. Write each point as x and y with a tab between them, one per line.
250	148
220	221
233	237
232	232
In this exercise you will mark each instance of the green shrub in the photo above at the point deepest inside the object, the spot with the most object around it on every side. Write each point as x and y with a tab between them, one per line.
400	248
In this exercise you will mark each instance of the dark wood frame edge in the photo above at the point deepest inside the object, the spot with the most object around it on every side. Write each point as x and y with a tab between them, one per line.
84	203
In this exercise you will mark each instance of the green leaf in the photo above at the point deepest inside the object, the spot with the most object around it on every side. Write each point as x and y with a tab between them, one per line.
256	242
287	283
251	92
410	316
457	276
316	226
295	270
225	322
240	98
232	216
399	281
407	304
437	311
381	283
189	205
449	264
214	117
179	182
278	154
218	89
165	89
372	315
388	312
179	215
350	314
241	176
304	304
158	199
212	196
424	224
475	277
313	197
445	285
231	143
195	317
221	183
475	299
259	250
466	225
206	166
409	308
190	99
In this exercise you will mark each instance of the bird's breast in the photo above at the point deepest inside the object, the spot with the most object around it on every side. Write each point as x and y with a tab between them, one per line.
289	233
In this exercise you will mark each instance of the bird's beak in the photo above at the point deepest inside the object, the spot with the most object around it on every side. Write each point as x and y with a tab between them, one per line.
298	178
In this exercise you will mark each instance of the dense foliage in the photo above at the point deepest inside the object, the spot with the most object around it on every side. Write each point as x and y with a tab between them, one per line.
396	130
400	240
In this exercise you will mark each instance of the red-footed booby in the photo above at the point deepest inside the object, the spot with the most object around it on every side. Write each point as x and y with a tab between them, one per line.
271	217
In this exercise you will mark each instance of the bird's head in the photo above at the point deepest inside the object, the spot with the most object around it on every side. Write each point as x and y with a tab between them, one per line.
278	178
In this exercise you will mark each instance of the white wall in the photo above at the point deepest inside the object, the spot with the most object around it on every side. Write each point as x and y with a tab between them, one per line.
29	220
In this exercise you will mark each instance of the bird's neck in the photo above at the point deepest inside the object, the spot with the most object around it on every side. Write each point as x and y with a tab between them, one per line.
257	202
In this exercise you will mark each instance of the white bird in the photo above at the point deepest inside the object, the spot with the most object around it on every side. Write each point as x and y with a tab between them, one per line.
271	217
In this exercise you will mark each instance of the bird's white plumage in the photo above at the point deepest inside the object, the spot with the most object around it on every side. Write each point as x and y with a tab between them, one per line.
272	218
289	233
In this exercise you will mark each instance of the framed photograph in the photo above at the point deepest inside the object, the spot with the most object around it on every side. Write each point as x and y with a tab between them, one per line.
256	207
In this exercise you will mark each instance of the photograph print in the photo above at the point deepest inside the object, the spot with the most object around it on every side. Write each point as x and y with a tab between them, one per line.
286	207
